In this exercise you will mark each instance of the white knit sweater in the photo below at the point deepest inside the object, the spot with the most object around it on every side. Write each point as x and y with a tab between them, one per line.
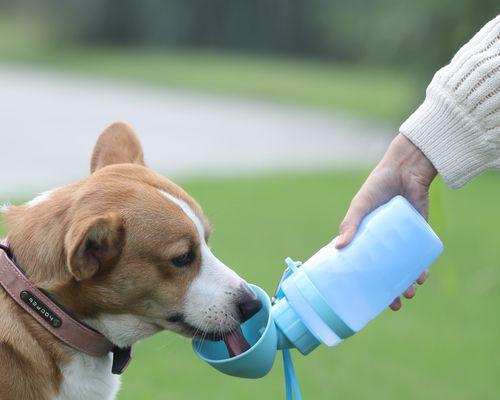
458	125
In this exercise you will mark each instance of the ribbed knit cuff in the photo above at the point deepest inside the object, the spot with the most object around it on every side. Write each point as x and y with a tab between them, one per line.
450	139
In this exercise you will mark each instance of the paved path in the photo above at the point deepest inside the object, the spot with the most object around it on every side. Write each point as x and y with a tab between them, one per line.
50	121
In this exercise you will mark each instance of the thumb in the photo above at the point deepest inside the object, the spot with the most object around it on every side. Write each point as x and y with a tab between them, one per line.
348	227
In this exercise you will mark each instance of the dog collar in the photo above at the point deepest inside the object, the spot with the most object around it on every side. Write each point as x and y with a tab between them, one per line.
53	318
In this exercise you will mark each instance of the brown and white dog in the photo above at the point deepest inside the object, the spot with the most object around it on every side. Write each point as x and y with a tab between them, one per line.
125	251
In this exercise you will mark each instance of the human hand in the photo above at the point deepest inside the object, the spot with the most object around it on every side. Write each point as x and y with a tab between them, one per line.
404	170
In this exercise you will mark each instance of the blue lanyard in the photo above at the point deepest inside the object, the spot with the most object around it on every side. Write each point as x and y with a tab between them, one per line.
291	383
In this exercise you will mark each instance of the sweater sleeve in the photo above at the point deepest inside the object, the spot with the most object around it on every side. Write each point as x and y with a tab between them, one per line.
458	125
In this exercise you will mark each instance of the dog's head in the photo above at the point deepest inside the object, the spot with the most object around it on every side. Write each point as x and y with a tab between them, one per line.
132	255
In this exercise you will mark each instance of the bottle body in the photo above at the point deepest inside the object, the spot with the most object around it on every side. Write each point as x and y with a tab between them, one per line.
392	247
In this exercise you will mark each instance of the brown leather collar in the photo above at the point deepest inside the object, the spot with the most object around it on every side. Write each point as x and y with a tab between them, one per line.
52	317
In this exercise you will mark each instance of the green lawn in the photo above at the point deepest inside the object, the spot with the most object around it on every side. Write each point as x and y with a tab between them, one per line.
443	345
367	91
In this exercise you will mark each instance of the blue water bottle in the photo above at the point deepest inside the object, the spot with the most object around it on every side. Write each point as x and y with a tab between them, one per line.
335	293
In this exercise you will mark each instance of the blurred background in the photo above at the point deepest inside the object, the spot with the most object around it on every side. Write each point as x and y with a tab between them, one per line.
271	114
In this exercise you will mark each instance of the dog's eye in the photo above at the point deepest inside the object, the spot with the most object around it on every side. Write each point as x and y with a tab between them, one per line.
184	260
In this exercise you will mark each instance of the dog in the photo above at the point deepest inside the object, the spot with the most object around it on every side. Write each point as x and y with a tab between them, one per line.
116	258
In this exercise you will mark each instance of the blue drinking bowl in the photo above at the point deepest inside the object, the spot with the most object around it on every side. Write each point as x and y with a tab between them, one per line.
259	331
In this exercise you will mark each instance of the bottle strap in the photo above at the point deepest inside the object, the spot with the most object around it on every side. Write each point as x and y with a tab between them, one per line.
291	383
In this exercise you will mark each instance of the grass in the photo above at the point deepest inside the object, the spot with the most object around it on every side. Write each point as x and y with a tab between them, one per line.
367	91
442	345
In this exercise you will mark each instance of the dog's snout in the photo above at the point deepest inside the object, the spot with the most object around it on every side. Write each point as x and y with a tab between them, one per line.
248	303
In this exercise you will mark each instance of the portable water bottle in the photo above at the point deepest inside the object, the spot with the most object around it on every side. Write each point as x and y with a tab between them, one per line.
335	293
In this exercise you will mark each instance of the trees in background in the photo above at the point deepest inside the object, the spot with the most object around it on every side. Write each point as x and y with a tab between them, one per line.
420	35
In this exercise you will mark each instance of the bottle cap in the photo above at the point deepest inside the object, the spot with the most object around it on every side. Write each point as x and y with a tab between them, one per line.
291	326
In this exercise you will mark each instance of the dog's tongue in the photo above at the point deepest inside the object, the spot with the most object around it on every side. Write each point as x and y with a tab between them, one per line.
236	343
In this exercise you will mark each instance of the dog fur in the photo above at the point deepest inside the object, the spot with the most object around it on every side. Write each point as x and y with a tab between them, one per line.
106	249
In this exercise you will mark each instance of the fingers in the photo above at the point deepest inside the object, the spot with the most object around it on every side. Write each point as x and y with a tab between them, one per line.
357	210
421	279
410	292
396	304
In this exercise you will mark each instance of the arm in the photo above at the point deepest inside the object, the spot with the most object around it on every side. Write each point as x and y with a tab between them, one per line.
458	125
455	132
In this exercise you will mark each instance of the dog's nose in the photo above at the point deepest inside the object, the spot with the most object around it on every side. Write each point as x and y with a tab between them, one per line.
248	304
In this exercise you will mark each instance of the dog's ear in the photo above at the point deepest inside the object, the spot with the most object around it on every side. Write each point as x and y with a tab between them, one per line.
118	144
94	243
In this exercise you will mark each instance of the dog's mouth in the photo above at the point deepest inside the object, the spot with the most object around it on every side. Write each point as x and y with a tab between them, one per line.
234	339
197	333
200	334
